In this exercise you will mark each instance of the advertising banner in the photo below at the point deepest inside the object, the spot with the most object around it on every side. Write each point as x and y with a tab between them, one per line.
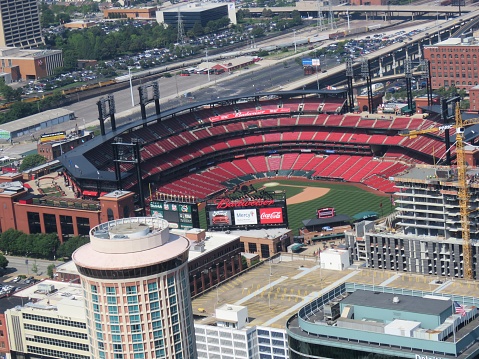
326	212
220	218
245	216
231	116
271	215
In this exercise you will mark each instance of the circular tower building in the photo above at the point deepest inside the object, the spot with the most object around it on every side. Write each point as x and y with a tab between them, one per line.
134	275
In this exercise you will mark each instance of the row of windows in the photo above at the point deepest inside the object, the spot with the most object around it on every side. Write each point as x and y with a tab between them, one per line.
68	323
59	343
55	353
57	331
456	56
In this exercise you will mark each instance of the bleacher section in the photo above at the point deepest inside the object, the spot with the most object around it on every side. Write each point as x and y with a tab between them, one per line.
371	172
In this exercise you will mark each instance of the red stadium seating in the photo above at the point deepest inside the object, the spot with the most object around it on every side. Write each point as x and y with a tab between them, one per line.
274	162
258	163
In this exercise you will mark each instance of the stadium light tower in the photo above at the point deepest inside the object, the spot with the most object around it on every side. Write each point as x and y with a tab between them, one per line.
131	87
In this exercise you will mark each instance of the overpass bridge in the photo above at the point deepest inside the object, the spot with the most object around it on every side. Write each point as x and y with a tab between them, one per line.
311	9
388	61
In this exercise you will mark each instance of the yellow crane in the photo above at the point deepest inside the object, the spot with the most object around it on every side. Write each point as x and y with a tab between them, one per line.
463	192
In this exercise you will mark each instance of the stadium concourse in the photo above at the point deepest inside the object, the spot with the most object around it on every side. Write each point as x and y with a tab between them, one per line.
202	149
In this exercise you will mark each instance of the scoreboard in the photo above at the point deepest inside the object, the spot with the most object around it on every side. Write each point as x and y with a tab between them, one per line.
182	215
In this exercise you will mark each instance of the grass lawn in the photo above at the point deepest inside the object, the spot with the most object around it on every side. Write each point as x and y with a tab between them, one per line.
51	191
345	198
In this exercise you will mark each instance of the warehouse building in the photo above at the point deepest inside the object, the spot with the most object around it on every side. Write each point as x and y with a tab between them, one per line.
41	121
193	13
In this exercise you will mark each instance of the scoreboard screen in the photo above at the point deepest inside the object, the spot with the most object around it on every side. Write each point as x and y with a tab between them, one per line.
180	215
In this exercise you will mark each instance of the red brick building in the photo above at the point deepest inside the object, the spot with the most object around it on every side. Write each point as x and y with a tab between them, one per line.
454	62
66	216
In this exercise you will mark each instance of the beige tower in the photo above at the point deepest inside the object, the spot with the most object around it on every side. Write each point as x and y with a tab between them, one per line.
134	275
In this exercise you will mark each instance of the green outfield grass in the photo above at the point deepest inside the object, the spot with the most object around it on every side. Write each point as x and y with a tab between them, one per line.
345	198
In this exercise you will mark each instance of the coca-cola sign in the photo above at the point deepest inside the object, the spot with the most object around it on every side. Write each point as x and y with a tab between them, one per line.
224	203
270	215
231	116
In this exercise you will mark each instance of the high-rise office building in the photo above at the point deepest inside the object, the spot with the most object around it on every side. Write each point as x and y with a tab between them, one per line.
134	273
20	24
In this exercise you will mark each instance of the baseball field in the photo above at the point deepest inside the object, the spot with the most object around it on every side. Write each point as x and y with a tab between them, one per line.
305	197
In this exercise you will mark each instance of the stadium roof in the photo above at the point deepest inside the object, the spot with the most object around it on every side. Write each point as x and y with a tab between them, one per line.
326	221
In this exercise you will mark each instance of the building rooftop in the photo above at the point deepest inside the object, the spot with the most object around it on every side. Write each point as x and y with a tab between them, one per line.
193	7
15	52
423	173
34	119
404	303
130	243
276	290
213	240
64	299
262	233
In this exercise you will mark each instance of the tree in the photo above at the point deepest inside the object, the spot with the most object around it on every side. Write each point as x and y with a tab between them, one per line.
67	248
257	31
35	268
8	93
3	261
50	270
30	161
63	18
197	29
267	13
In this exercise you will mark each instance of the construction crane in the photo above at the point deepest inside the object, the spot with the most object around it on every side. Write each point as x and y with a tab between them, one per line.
463	192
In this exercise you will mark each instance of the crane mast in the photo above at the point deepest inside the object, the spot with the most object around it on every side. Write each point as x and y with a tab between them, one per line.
463	196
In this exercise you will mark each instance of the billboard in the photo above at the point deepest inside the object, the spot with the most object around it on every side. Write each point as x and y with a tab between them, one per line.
271	215
56	136
183	215
245	216
230	116
246	213
220	218
311	62
326	212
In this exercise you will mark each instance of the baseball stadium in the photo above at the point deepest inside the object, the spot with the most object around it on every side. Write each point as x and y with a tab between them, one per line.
203	150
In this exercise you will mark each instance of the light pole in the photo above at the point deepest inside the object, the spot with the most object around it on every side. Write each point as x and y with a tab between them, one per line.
131	88
294	39
208	65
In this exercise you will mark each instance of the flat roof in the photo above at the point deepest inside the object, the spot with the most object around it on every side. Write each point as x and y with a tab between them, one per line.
294	280
406	303
65	299
212	241
15	52
322	221
428	172
194	7
33	120
262	233
67	268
